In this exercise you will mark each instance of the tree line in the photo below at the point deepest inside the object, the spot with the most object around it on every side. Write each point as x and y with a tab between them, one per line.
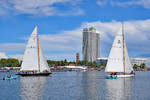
140	67
9	63
81	63
15	63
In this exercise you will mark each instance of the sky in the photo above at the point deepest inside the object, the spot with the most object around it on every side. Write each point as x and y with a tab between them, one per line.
60	24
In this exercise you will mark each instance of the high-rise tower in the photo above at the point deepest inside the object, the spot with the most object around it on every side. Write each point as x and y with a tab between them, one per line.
90	44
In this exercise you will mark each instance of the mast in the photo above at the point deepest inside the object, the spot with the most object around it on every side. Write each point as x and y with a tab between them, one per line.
123	48
38	51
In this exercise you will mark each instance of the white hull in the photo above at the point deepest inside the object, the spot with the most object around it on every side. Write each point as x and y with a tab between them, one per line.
120	76
123	76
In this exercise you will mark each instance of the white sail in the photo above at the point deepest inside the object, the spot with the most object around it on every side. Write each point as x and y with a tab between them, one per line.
43	62
115	60
30	59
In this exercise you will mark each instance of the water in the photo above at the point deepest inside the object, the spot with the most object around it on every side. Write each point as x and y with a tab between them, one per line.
90	85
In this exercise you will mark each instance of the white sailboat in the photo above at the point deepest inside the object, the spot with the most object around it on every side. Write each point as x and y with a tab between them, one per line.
119	61
34	62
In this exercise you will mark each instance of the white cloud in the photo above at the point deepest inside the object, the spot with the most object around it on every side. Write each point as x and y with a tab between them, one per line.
144	3
137	35
61	56
12	47
40	7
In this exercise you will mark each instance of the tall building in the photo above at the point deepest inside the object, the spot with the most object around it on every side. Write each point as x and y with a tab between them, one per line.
77	58
90	44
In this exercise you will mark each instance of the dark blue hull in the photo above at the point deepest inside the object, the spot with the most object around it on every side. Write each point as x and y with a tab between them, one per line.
34	74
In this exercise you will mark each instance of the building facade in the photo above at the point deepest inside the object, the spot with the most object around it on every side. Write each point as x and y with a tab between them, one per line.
137	61
3	55
90	44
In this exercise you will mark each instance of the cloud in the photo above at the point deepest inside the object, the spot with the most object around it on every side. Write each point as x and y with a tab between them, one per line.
137	35
69	57
40	7
144	3
12	47
56	46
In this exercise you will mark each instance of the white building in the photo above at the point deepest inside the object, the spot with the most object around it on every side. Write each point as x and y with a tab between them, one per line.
3	55
137	61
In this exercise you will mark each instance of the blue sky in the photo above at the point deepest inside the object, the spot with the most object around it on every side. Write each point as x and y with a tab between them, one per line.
61	22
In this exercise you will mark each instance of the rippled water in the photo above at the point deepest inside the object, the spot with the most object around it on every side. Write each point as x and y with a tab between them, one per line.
90	85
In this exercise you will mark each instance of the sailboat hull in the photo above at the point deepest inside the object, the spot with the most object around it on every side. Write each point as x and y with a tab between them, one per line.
122	76
34	74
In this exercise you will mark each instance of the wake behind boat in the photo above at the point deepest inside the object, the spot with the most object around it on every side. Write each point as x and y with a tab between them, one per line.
119	64
34	62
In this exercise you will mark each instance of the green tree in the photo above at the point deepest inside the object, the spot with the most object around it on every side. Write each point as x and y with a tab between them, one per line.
3	62
143	66
135	67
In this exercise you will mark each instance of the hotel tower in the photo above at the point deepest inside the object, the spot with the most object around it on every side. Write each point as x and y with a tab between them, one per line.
90	44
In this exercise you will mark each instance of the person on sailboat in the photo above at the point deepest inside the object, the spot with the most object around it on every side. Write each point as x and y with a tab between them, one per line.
132	72
113	74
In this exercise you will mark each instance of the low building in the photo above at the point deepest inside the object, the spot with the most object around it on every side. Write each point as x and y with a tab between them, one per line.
101	60
3	55
137	61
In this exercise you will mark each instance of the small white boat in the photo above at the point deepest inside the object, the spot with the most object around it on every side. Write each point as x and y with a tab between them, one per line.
119	61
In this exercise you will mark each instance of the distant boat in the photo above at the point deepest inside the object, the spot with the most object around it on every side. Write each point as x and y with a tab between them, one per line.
119	62
9	77
34	62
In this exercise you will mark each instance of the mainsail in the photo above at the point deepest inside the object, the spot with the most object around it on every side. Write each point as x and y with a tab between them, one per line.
34	59
119	60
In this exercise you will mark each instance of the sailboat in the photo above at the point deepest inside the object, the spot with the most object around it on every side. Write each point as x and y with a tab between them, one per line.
34	62
119	64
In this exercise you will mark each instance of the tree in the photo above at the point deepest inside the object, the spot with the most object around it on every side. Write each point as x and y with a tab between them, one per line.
135	67
3	62
142	66
9	63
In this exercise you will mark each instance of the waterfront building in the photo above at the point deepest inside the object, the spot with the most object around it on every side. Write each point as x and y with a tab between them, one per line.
3	55
90	44
101	60
137	61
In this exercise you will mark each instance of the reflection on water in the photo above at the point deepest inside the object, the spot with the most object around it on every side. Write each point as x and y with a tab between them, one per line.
89	85
118	89
32	88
